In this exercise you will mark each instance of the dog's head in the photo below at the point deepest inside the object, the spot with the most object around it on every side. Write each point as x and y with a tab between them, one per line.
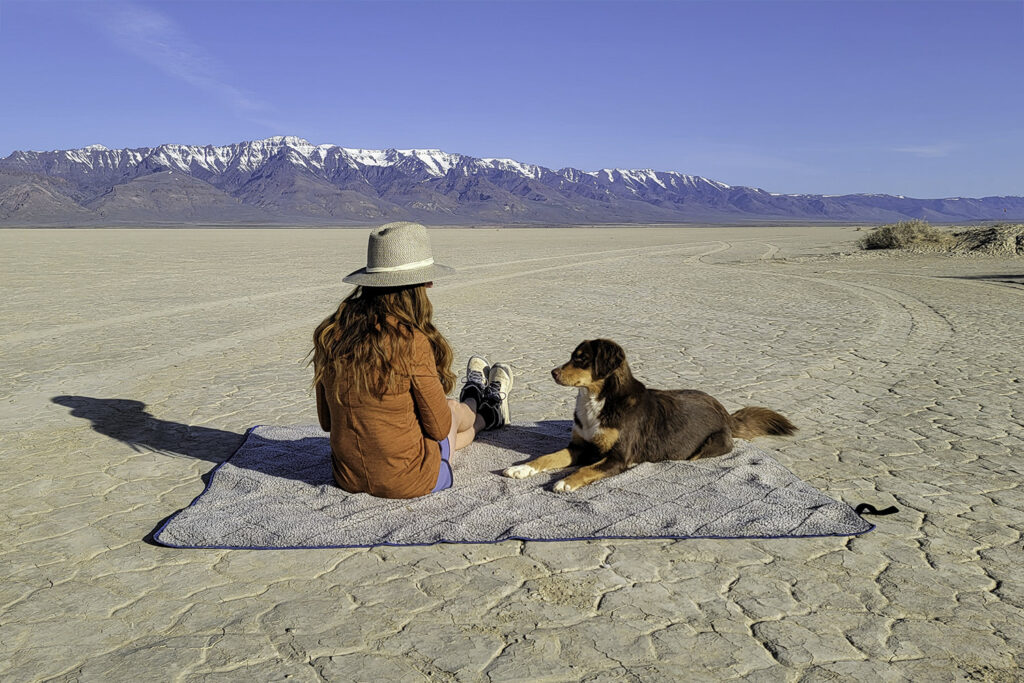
591	362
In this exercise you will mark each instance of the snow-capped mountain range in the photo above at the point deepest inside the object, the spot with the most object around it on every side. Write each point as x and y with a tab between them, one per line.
288	180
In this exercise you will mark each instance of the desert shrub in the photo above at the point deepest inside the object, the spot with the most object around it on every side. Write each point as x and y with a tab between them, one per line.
903	235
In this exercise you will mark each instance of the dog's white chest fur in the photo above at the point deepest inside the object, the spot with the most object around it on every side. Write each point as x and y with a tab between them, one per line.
588	410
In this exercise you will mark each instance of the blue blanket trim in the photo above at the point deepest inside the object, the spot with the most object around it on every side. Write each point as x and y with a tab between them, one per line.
213	473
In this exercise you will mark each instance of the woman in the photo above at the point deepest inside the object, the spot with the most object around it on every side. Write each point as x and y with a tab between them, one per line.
382	370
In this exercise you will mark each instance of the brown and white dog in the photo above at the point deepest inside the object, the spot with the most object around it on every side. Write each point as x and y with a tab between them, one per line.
619	423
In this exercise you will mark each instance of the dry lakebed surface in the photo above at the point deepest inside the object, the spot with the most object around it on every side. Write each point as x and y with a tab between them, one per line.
134	360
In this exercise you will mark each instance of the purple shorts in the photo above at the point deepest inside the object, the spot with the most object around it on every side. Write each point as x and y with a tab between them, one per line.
444	474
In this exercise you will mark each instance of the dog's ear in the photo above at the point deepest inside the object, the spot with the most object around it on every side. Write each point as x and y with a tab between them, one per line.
608	356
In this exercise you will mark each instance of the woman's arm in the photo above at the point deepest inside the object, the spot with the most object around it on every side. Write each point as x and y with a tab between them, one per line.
427	392
323	409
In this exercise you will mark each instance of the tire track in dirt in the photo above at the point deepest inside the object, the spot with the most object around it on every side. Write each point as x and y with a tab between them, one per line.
906	331
1004	285
770	254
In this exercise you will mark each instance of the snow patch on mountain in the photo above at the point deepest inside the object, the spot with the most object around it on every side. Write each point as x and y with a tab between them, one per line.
528	170
247	157
286	178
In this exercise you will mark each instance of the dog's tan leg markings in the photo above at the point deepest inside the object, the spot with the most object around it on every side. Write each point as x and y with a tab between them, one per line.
604	467
551	461
605	439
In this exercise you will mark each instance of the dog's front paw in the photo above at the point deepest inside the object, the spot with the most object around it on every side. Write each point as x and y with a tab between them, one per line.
564	486
520	471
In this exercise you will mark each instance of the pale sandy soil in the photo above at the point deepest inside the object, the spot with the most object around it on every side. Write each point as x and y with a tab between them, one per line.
903	373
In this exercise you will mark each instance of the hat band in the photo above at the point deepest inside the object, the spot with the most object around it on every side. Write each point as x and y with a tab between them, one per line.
404	266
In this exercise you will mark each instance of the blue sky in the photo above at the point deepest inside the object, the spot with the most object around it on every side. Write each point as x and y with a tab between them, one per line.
921	98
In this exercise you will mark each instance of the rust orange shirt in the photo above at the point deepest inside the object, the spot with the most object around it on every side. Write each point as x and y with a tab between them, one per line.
388	447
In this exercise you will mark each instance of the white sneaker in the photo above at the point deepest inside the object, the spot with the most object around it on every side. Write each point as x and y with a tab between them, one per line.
499	383
475	380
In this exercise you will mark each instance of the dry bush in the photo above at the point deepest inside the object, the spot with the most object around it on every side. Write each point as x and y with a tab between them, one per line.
905	235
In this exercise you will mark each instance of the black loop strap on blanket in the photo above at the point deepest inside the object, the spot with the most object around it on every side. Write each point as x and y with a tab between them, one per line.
869	509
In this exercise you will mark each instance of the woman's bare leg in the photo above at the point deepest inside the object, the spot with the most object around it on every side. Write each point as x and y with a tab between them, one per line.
465	423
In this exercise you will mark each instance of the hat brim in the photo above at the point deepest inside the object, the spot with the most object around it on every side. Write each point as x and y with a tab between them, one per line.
398	278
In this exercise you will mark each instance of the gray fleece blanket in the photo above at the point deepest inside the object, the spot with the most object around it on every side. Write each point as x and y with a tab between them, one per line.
276	491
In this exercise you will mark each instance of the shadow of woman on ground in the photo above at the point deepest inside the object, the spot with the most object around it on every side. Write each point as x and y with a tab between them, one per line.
128	421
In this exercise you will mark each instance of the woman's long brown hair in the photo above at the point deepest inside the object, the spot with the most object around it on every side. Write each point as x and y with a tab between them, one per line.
368	340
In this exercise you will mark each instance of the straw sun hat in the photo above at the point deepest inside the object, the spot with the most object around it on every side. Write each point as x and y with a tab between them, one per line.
397	255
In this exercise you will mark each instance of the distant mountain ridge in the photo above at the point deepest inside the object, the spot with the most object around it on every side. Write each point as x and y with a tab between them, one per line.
286	180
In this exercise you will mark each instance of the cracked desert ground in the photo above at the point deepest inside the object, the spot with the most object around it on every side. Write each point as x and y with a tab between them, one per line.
902	371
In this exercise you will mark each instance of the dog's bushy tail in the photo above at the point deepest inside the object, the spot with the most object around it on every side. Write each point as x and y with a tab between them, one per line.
756	421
